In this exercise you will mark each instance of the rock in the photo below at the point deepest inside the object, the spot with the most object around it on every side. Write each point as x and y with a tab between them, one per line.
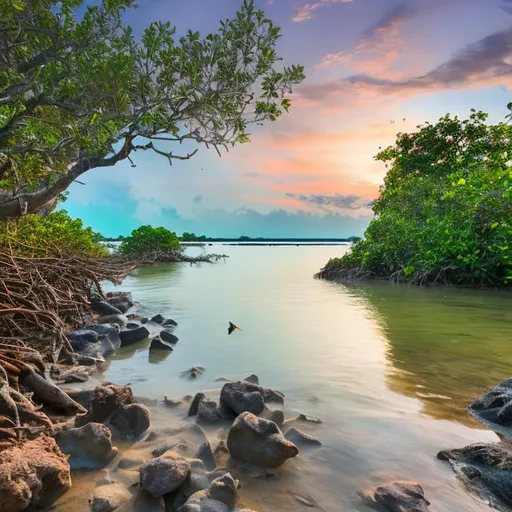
131	420
108	498
220	496
144	502
144	320
122	302
208	412
275	415
170	402
194	372
120	320
129	463
170	323
300	418
485	468
397	497
158	319
83	397
82	337
158	344
88	360
74	374
259	442
221	454
253	379
168	337
194	406
239	397
223	379
127	296
299	438
104	308
163	475
192	484
206	455
130	336
33	475
108	337
132	325
89	447
105	401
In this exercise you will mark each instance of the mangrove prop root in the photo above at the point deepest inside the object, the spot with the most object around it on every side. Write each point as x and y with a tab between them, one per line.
48	393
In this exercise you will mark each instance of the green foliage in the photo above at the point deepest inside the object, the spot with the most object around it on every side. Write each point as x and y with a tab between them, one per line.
55	235
192	237
147	239
75	90
445	210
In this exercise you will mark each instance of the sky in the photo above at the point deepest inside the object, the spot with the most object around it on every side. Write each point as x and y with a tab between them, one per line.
374	68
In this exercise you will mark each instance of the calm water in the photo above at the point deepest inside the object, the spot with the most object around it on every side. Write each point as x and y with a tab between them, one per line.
388	369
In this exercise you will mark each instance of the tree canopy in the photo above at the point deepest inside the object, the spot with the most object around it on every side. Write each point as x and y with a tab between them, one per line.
147	239
445	210
83	92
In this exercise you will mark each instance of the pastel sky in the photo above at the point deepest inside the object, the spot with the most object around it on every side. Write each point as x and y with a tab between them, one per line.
374	67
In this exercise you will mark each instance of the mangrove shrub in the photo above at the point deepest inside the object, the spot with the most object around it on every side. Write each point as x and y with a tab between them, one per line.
147	240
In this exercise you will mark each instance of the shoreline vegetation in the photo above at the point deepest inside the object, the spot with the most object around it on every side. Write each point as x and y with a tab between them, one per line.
444	213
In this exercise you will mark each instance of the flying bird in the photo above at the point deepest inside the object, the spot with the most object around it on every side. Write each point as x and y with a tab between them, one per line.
232	327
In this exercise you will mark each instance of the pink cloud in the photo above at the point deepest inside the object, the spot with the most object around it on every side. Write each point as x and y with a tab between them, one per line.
307	11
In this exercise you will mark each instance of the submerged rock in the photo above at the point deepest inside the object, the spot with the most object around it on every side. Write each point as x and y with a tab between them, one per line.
131	420
194	406
89	447
220	496
158	344
164	474
168	337
33	475
253	379
485	468
170	323
397	497
108	498
275	415
241	396
300	438
158	319
208	412
259	442
130	336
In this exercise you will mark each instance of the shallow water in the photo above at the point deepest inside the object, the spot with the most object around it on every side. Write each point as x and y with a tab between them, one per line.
389	369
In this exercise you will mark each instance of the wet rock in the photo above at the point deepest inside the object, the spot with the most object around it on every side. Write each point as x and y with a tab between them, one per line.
168	337
275	415
120	296
239	397
130	336
105	401
158	319
194	406
144	502
300	418
144	320
253	379
75	374
206	455
170	323
158	344
208	412
82	337
89	447
132	325
397	497
192	484
193	373
33	475
122	301
171	402
221	454
299	438
108	498
130	463
485	468
120	320
131	420
109	330
220	496
163	475
259	442
104	308
83	397
88	360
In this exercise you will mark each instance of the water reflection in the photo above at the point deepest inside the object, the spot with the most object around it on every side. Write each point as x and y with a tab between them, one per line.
445	346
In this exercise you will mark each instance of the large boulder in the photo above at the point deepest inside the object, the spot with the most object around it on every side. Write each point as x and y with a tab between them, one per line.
131	420
120	320
32	475
131	336
487	469
89	447
120	300
164	474
259	442
104	308
397	497
220	496
108	498
241	396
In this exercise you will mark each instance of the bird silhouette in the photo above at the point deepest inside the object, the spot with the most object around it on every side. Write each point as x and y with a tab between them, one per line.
232	327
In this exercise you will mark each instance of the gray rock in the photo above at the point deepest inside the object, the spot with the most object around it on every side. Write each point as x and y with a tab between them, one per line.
81	337
194	406
144	502
168	337
158	344
220	496
206	455
104	308
158	319
129	463
397	497
275	415
131	420
164	474
120	320
130	336
108	498
259	442
170	323
299	438
239	397
485	468
193	483
253	379
221	453
121	300
89	447
132	325
110	330
208	412
120	296
104	402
